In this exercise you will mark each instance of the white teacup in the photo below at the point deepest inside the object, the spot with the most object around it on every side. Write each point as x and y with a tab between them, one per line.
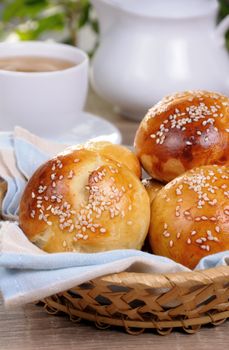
46	103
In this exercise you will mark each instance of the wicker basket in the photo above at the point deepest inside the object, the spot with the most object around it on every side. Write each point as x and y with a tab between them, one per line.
139	301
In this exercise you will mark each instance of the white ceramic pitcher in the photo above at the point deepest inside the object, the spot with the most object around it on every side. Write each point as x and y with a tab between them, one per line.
151	48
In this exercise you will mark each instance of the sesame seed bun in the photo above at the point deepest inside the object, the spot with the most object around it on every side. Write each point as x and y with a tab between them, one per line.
152	187
183	131
82	201
190	215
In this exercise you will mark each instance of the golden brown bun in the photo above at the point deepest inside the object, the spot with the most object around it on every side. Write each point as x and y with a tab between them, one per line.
183	131
118	153
81	201
190	215
152	187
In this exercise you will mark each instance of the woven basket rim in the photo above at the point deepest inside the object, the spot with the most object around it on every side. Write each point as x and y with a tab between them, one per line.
164	280
177	300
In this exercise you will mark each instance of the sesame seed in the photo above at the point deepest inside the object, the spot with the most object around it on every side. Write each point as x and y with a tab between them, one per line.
178	192
102	230
70	175
178	235
64	244
166	234
188	143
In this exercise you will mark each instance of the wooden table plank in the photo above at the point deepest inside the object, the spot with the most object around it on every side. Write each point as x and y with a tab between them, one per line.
31	328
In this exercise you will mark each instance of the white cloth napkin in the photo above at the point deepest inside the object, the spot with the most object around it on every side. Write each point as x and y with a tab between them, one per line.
27	273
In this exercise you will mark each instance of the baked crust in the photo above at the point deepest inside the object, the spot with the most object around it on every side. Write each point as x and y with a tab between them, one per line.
190	215
152	187
183	131
115	152
85	202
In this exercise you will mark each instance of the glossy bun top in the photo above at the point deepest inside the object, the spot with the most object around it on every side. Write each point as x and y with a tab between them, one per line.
183	131
190	215
82	201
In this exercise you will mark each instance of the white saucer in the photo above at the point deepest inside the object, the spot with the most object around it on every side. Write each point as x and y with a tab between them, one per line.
90	126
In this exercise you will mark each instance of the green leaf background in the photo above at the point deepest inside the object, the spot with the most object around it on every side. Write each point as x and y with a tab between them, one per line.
223	12
32	19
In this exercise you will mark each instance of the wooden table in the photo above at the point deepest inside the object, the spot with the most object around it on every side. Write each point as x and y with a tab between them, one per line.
30	327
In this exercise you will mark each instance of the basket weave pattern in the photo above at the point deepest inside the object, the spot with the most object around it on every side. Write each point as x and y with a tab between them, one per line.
139	301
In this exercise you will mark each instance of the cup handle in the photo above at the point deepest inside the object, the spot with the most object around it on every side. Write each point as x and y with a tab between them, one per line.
222	28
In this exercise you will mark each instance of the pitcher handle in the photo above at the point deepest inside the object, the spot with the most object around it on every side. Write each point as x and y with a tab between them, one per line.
222	28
